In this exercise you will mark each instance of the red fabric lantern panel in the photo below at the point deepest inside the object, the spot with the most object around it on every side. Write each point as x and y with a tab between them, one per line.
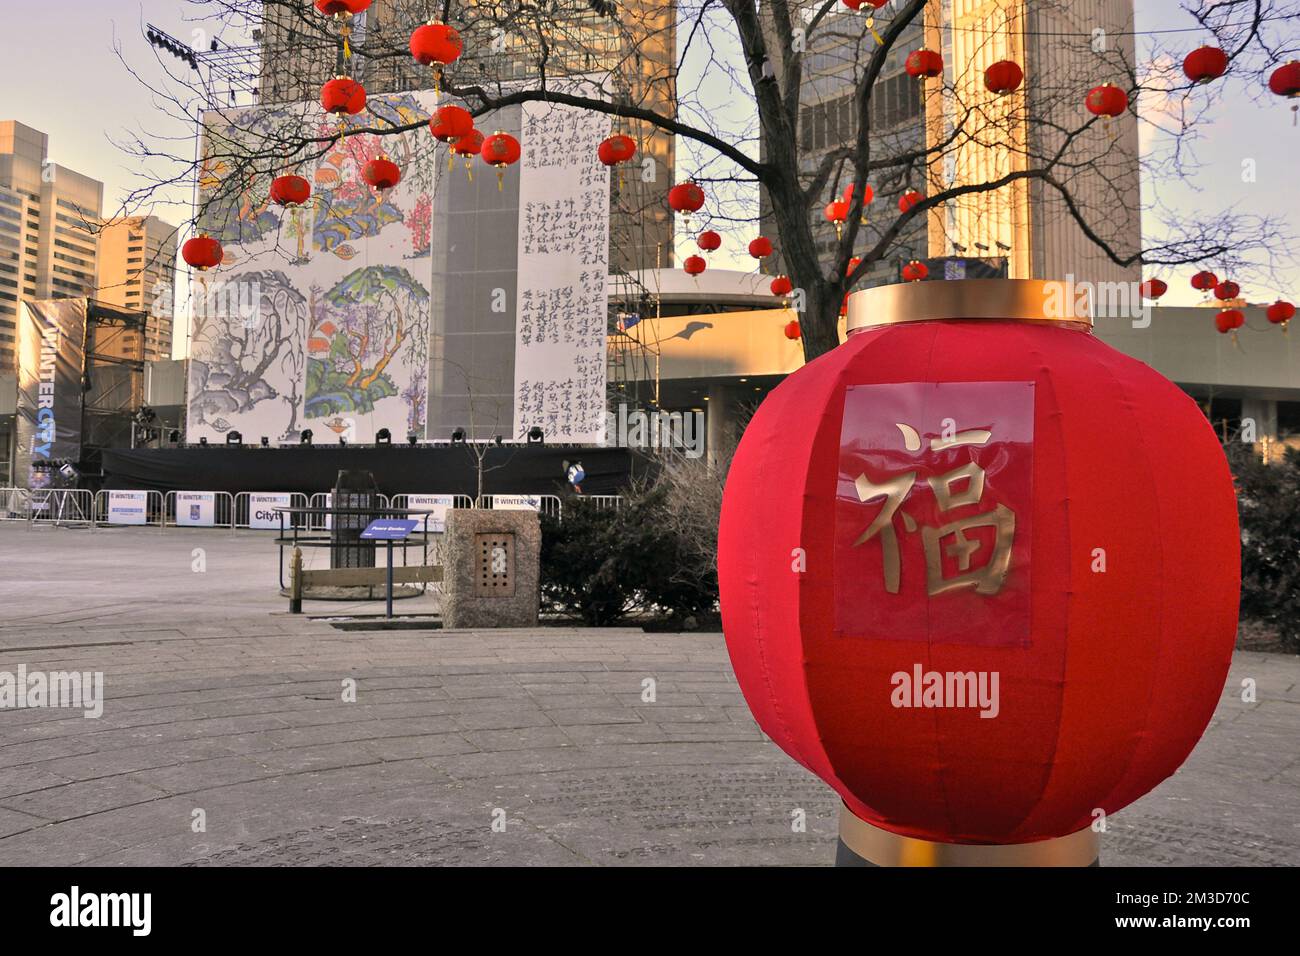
1205	64
923	62
792	330
1227	289
1285	80
782	285
1204	280
436	43
694	265
500	150
449	123
761	247
915	271
343	95
1153	289
202	253
333	8
909	199
1229	319
836	211
468	145
381	173
1280	312
686	197
1106	100
618	148
831	610
290	190
709	241
1003	77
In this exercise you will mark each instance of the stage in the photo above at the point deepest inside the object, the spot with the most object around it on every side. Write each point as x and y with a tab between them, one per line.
398	469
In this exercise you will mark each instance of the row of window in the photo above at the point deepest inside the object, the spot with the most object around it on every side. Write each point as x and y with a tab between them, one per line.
894	101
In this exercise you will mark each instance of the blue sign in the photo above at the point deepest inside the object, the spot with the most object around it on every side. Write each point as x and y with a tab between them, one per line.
389	529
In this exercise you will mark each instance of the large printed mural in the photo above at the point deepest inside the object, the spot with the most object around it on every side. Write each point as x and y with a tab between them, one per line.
319	316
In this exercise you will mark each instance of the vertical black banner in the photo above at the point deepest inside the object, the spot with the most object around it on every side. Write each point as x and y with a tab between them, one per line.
51	363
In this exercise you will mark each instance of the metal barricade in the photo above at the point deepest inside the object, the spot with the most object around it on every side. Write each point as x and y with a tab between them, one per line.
13	504
199	509
603	502
325	500
256	509
60	507
129	507
549	505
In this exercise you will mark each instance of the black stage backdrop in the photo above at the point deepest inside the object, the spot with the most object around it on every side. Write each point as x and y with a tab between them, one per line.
398	469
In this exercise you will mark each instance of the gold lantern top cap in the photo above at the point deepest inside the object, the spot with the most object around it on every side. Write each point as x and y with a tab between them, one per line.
1024	300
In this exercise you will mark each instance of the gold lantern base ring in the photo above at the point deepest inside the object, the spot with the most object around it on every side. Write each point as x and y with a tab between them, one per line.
862	844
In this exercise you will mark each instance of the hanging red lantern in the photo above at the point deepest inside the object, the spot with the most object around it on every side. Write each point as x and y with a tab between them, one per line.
1229	319
1226	289
853	264
909	199
203	252
1203	281
381	173
792	330
450	123
290	190
1153	289
709	241
1285	80
469	146
1280	312
343	95
1106	100
1205	63
694	265
923	63
937	521
617	149
867	194
334	8
761	247
436	43
1003	77
915	271
499	151
781	285
836	212
686	197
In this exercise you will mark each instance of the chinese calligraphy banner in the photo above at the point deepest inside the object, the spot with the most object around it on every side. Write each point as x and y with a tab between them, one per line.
932	518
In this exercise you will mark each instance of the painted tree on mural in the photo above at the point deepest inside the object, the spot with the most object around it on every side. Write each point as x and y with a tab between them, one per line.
772	59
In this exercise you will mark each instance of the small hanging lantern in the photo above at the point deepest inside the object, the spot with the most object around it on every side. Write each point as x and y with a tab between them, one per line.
1227	289
438	45
1153	289
868	194
837	212
343	96
694	265
709	241
923	63
1106	100
781	286
1285	80
381	173
290	190
615	151
343	11
909	199
450	123
469	146
915	271
1003	77
203	252
499	151
686	198
792	330
1228	321
1205	63
760	248
1280	313
1204	281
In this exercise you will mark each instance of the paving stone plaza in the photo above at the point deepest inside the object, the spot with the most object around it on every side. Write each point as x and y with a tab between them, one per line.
227	736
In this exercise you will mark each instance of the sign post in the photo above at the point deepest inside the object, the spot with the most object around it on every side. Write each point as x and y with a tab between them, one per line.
389	530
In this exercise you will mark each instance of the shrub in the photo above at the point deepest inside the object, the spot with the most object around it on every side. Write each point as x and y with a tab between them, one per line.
1268	500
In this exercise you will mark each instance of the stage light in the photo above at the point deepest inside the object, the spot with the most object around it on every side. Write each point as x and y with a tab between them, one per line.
498	439
266	442
234	438
413	439
174	436
458	436
383	437
203	442
304	436
535	436
342	440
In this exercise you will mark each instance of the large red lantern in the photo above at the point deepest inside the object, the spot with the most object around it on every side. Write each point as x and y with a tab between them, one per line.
202	252
942	502
449	123
922	63
382	173
1153	288
761	247
499	151
686	197
1106	100
694	265
1204	281
709	241
1285	80
343	95
1280	312
290	190
1227	289
1003	77
1205	63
